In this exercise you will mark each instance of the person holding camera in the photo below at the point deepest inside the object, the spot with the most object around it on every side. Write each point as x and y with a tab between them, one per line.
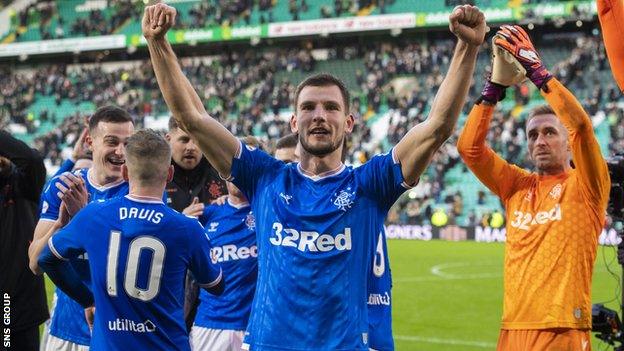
22	175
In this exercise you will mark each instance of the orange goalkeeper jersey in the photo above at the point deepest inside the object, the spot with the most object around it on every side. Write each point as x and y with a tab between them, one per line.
611	15
553	222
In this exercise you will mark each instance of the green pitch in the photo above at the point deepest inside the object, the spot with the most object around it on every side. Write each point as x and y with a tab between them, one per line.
448	295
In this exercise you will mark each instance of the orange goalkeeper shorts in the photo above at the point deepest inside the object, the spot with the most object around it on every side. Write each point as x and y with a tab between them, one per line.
544	340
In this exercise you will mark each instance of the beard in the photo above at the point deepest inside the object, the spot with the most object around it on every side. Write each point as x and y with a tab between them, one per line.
320	150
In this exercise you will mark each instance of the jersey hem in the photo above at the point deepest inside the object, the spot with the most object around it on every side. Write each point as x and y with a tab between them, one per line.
548	325
271	347
238	328
67	337
214	282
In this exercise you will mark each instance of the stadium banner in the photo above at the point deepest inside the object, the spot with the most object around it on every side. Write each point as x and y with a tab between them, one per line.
63	45
342	25
217	33
428	232
513	14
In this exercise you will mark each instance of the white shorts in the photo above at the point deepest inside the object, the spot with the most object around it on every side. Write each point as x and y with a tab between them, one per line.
216	339
56	344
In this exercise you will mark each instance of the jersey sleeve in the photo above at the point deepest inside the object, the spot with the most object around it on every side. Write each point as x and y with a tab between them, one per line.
381	179
611	16
588	160
50	202
66	166
205	216
68	241
251	167
491	169
65	277
206	273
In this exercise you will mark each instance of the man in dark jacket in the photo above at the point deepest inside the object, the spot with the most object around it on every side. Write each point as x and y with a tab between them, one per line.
194	184
22	175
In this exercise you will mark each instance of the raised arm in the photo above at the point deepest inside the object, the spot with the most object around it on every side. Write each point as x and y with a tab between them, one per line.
418	146
611	15
586	153
216	142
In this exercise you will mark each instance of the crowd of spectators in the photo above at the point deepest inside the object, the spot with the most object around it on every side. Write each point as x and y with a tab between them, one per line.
116	13
243	89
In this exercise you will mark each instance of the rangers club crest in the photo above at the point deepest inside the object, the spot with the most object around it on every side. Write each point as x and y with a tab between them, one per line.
250	221
344	200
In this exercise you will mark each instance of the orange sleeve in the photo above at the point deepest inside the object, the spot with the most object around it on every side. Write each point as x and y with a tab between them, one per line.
586	153
611	15
493	171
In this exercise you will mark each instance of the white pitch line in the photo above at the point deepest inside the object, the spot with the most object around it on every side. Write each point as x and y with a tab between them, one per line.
438	274
429	340
440	279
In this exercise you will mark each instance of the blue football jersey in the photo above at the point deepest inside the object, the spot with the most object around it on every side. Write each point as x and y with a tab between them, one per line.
232	233
315	238
380	298
68	322
139	251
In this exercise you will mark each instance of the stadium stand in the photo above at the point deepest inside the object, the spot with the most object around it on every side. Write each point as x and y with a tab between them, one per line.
43	20
250	90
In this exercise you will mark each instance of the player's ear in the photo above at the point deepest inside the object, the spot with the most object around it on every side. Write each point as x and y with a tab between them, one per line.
124	172
89	141
170	173
293	123
168	137
349	123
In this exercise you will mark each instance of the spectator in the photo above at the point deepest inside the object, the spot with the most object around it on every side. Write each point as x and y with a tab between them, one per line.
22	175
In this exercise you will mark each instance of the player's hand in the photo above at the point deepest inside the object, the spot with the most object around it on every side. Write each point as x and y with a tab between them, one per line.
73	192
90	316
220	200
516	41
80	151
64	216
468	24
157	20
195	209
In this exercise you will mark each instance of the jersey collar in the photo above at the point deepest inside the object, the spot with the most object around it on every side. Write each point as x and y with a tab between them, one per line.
239	206
101	187
144	199
323	175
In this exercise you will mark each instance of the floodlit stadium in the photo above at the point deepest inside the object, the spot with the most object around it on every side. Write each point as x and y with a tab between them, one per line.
62	61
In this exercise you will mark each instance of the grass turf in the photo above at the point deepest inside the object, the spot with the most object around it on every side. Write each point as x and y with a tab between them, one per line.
448	295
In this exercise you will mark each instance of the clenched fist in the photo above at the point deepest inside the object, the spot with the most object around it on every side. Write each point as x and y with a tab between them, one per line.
157	20
468	24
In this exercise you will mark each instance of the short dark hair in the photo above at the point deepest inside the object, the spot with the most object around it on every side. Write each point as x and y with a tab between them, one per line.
324	80
287	142
540	110
173	124
109	113
148	156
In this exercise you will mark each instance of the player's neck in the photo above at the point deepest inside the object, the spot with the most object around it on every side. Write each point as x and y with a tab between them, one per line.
317	166
555	171
100	179
155	192
237	200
